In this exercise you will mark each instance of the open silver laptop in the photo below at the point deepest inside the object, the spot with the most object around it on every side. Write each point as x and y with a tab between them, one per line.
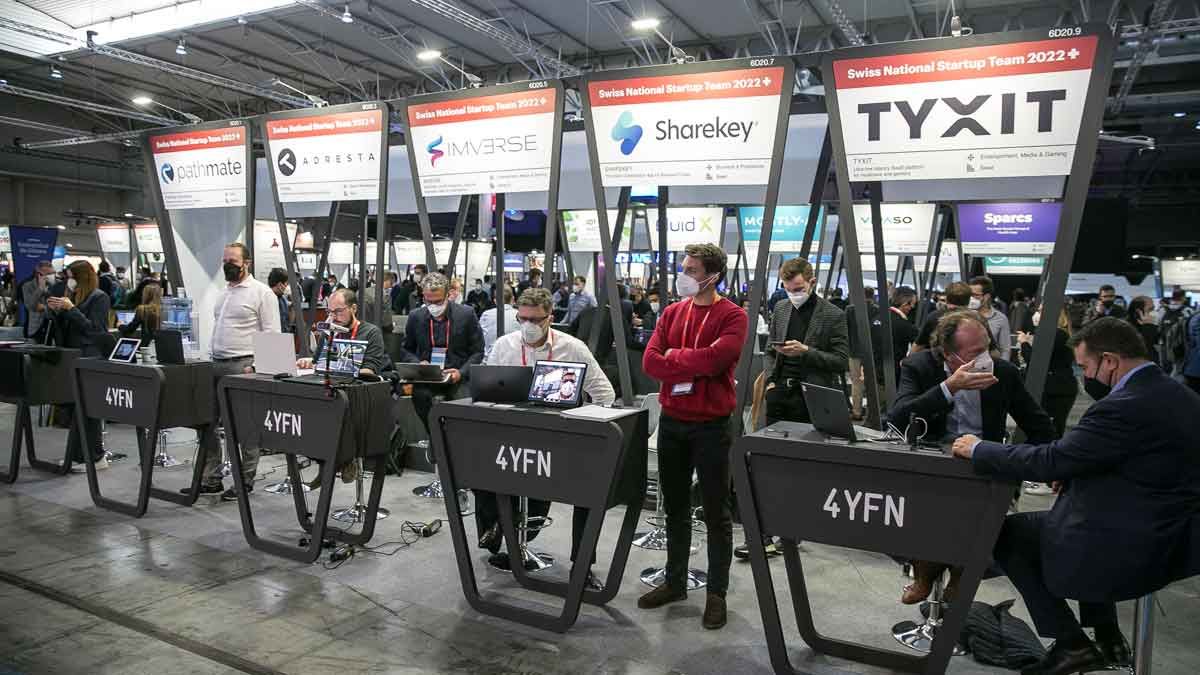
274	354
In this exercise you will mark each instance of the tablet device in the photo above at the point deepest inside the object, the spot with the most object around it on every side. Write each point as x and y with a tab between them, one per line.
125	351
558	384
124	317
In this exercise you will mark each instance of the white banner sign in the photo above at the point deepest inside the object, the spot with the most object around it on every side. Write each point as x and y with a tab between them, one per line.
583	230
327	156
341	253
906	227
201	169
484	144
978	112
413	252
1182	273
268	250
114	238
5	240
148	238
714	128
687	226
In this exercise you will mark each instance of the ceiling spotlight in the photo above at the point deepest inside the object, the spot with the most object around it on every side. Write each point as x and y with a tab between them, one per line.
429	55
1179	257
347	17
241	21
128	215
181	48
55	73
70	245
1180	114
648	23
142	100
63	227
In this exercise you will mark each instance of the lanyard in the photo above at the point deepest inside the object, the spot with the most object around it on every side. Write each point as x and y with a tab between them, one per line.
432	344
687	324
549	357
354	329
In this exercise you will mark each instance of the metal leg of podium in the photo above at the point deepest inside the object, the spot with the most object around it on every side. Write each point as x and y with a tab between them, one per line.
206	443
147	440
41	464
317	529
20	420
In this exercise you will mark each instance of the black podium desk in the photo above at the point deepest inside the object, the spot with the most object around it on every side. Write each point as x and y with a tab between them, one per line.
149	398
332	426
882	497
542	454
32	375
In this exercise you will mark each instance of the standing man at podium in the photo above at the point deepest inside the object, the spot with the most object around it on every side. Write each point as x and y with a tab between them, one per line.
536	341
693	353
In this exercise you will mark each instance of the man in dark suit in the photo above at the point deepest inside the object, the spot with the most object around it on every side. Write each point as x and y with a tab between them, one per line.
444	333
1128	506
958	388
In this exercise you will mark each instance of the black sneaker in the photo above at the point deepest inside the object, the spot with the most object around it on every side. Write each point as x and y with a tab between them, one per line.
770	547
231	495
205	489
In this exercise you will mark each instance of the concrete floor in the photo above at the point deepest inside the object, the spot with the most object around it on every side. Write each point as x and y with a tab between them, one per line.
83	590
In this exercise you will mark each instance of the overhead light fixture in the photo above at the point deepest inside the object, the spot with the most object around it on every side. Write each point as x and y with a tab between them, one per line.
651	24
1179	257
128	215
70	245
435	55
347	17
63	227
55	73
241	21
1180	114
429	55
181	48
3	81
648	23
144	101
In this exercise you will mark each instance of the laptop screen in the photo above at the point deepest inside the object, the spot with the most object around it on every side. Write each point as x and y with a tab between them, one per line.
347	357
124	317
557	382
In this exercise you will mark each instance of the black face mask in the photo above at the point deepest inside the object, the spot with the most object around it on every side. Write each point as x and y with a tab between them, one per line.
232	272
1107	303
1094	387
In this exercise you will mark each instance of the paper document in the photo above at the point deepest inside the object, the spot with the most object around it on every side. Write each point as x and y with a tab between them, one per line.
596	412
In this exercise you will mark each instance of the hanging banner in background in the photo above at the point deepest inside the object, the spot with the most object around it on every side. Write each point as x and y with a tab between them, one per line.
906	227
1016	227
1182	273
341	253
5	240
201	169
413	252
492	142
687	128
31	245
114	238
327	156
787	234
514	262
149	240
583	230
268	250
1013	264
1007	109
947	262
687	226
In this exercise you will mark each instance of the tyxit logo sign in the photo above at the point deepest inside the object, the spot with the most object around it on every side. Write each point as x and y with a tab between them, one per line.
627	133
434	152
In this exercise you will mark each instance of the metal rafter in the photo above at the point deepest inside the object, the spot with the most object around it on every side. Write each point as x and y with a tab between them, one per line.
40	126
843	24
118	137
86	105
1147	43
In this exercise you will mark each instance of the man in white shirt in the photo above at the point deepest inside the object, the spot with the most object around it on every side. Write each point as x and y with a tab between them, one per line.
244	307
535	342
487	322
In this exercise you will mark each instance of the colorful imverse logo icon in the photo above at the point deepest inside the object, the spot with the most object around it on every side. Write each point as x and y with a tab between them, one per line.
434	152
627	133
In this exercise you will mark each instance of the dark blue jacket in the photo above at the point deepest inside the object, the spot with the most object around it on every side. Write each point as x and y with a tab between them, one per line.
1127	521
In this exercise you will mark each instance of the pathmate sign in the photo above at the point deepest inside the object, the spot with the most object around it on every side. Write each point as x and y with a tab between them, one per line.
201	168
988	111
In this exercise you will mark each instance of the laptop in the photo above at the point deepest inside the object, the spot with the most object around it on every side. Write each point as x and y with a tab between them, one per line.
340	363
168	347
830	414
126	350
501	384
124	317
274	354
422	373
557	384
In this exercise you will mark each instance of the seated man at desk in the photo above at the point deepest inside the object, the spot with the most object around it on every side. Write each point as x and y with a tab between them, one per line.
1128	479
536	341
443	333
958	387
343	312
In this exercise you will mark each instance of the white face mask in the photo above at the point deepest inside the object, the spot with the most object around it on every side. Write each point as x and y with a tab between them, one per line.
654	307
984	363
688	287
71	284
437	310
975	304
532	333
798	298
1037	318
578	288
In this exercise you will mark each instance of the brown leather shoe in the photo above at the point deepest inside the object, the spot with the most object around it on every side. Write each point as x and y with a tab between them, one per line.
660	596
924	574
714	612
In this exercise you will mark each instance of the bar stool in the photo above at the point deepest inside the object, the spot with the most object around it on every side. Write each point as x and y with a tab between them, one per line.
919	636
358	512
696	579
655	539
532	560
163	459
1143	634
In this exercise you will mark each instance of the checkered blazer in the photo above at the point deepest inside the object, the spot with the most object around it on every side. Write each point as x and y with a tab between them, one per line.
828	355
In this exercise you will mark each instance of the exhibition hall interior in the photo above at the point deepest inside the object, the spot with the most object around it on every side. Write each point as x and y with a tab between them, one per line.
582	337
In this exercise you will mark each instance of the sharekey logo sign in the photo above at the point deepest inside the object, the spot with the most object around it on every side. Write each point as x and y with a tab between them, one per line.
627	133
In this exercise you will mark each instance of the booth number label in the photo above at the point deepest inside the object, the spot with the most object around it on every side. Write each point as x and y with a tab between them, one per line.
286	423
525	461
118	397
859	507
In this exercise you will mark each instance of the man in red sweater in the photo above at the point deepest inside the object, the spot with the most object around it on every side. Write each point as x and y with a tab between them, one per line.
693	353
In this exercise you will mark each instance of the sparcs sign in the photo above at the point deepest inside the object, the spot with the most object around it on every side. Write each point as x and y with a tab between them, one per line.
976	112
202	168
1009	228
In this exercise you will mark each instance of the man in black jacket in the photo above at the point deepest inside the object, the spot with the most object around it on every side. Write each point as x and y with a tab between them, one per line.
1127	516
441	332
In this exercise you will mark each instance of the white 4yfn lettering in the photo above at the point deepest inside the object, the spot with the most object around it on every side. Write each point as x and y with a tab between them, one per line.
524	460
891	507
118	397
283	423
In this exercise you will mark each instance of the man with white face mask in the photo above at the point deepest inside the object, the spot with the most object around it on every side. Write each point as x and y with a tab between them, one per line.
534	342
981	301
445	334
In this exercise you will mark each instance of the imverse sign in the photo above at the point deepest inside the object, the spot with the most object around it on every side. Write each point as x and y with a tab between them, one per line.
979	112
201	169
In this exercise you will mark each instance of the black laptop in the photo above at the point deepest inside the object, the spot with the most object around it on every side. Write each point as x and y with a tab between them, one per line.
830	414
168	347
500	384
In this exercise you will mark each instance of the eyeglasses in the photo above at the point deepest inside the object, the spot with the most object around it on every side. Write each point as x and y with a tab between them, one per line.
340	311
525	319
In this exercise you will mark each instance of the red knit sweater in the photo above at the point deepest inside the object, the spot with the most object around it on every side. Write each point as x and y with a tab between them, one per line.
709	365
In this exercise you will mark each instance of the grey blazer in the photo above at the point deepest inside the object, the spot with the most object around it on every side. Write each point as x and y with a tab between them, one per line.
828	355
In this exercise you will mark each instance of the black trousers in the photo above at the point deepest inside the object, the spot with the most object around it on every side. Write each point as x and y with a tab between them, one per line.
786	404
422	399
1193	383
704	447
1019	553
1058	407
487	514
75	442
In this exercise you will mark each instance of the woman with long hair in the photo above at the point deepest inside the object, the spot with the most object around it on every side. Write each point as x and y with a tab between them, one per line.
147	316
81	322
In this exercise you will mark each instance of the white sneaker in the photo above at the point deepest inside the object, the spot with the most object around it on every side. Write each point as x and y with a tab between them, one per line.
1038	489
101	464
